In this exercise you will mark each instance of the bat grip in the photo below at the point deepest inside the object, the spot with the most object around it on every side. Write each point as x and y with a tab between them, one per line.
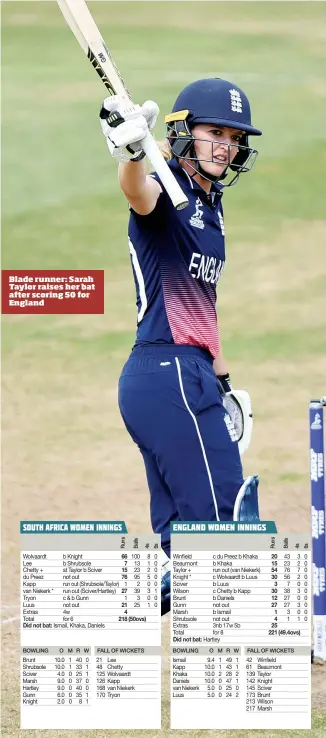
167	178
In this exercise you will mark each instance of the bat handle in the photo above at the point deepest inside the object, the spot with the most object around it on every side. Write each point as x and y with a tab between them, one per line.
167	178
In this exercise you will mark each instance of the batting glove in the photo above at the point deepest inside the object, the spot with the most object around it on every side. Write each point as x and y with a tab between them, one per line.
125	125
238	404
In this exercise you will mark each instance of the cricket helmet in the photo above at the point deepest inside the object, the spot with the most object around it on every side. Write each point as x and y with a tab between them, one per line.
220	103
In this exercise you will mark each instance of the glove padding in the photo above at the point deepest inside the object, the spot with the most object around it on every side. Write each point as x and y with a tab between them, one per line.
125	125
238	405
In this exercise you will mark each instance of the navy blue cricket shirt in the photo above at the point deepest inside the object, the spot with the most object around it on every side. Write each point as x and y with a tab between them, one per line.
177	258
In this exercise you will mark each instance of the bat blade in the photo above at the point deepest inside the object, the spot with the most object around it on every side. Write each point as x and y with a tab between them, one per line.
84	28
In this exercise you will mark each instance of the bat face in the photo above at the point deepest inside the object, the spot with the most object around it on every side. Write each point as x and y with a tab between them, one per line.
100	59
114	66
93	60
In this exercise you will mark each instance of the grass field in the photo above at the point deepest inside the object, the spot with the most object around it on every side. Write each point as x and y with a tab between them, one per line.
66	453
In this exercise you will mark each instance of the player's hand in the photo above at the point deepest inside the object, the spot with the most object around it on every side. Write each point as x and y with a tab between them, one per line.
238	405
125	125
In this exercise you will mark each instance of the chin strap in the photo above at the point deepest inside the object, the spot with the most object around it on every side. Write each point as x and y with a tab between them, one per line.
208	176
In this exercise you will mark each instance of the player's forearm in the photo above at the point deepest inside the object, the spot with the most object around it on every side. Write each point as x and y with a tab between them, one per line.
220	365
132	178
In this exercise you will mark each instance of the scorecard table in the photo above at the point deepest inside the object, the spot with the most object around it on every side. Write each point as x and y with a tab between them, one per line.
90	627
240	629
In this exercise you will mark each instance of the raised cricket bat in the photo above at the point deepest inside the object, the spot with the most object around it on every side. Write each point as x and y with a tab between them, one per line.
83	26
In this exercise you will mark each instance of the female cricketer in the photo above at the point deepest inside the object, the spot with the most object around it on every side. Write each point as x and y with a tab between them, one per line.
172	389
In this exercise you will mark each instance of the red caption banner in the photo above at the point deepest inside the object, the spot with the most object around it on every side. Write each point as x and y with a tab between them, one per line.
31	292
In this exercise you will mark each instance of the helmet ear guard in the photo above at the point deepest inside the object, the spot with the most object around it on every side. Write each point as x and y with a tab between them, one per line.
242	155
179	137
245	158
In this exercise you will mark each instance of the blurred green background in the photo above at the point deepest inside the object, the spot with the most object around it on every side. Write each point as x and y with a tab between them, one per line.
66	452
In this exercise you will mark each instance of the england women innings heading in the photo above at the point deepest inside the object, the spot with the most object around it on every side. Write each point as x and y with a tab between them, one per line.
174	384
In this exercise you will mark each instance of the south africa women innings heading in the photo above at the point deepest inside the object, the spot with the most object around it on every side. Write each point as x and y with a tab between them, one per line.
174	386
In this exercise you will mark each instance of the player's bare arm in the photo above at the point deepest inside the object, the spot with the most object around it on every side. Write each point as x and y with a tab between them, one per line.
141	190
220	365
